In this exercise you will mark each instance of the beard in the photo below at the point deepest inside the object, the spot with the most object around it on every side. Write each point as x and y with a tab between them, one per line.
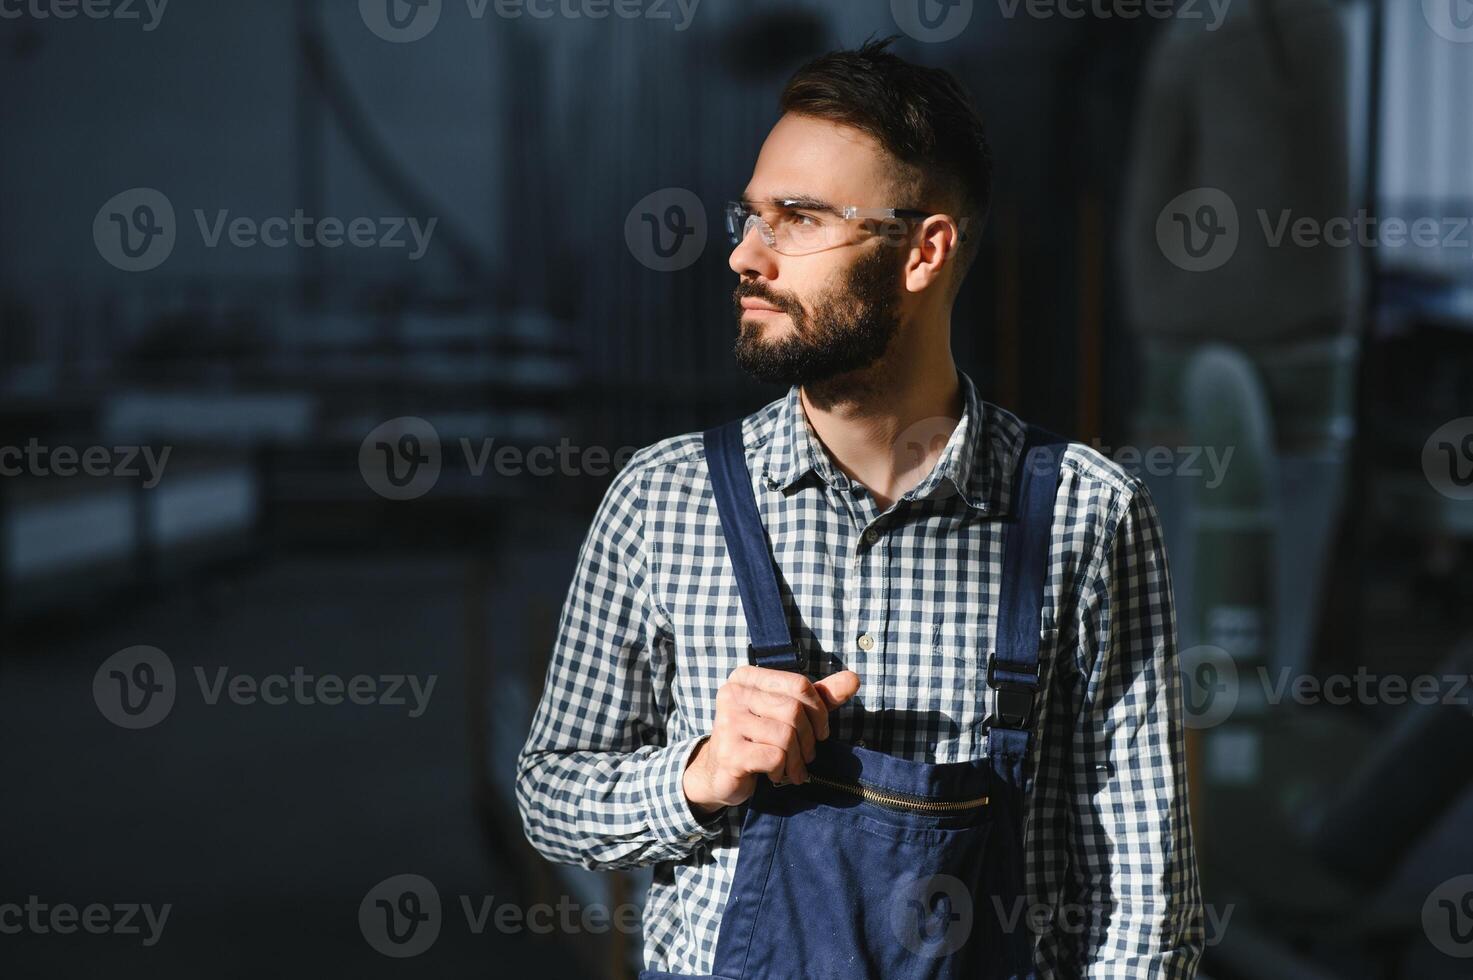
851	326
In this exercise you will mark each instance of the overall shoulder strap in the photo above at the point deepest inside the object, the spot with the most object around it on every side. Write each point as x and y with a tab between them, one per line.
747	546
1012	670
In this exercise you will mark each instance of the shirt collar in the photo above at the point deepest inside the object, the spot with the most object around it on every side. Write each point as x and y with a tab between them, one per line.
974	464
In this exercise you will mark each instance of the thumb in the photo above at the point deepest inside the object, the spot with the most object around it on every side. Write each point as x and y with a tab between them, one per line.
835	689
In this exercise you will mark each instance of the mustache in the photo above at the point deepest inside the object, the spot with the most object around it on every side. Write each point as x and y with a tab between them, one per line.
755	290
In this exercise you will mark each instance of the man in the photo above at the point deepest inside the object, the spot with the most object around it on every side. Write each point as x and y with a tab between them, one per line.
877	689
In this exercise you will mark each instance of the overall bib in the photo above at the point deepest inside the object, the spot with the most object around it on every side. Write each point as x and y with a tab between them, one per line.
880	868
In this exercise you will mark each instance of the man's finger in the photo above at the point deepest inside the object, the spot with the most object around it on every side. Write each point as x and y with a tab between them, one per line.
756	758
786	682
837	688
794	713
768	731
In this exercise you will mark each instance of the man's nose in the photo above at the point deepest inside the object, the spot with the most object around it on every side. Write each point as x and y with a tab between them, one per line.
752	257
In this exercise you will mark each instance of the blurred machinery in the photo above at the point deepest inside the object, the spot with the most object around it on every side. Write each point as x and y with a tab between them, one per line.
1308	814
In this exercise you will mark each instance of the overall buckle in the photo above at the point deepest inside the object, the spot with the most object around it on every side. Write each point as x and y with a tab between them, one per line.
785	657
1014	701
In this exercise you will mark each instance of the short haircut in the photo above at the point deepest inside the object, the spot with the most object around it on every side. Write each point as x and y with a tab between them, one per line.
921	116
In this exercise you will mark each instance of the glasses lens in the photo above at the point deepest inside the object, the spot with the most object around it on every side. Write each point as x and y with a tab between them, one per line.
736	222
786	230
801	234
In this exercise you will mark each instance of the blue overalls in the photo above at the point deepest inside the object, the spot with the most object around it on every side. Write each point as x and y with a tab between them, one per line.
880	868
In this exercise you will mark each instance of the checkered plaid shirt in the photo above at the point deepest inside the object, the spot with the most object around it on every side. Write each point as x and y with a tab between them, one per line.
653	624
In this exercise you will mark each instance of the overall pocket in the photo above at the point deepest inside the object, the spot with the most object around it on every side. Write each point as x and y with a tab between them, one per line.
853	878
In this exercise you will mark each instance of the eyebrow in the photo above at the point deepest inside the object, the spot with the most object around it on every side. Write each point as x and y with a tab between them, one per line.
801	201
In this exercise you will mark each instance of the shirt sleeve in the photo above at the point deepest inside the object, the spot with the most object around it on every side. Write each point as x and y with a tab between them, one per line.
597	783
1136	903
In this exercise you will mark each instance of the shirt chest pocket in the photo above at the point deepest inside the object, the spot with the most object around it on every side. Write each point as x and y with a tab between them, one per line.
959	653
956	681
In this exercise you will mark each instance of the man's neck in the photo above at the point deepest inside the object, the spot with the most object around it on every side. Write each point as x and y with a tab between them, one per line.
886	427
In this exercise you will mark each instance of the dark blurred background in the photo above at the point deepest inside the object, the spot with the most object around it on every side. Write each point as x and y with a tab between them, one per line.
324	326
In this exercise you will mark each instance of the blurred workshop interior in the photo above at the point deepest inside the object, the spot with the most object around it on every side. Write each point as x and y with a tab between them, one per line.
193	466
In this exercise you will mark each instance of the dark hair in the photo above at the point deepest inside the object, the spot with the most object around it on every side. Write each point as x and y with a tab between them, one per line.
921	116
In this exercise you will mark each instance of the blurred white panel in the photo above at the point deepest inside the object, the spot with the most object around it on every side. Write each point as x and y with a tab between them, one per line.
44	538
200	505
136	417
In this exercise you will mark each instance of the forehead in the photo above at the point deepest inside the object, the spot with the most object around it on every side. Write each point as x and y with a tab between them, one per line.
808	157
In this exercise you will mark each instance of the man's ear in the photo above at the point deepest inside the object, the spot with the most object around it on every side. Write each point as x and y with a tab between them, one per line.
935	247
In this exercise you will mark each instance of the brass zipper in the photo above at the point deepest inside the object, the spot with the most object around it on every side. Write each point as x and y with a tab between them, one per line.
897	801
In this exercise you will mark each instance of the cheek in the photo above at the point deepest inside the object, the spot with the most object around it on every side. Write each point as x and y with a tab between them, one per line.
816	278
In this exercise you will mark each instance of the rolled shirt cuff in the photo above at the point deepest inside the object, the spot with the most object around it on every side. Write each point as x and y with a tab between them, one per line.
671	815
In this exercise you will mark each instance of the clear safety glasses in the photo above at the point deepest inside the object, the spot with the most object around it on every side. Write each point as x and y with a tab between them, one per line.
794	227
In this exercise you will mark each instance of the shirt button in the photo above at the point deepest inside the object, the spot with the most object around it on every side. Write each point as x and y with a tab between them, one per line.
692	837
871	535
866	642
